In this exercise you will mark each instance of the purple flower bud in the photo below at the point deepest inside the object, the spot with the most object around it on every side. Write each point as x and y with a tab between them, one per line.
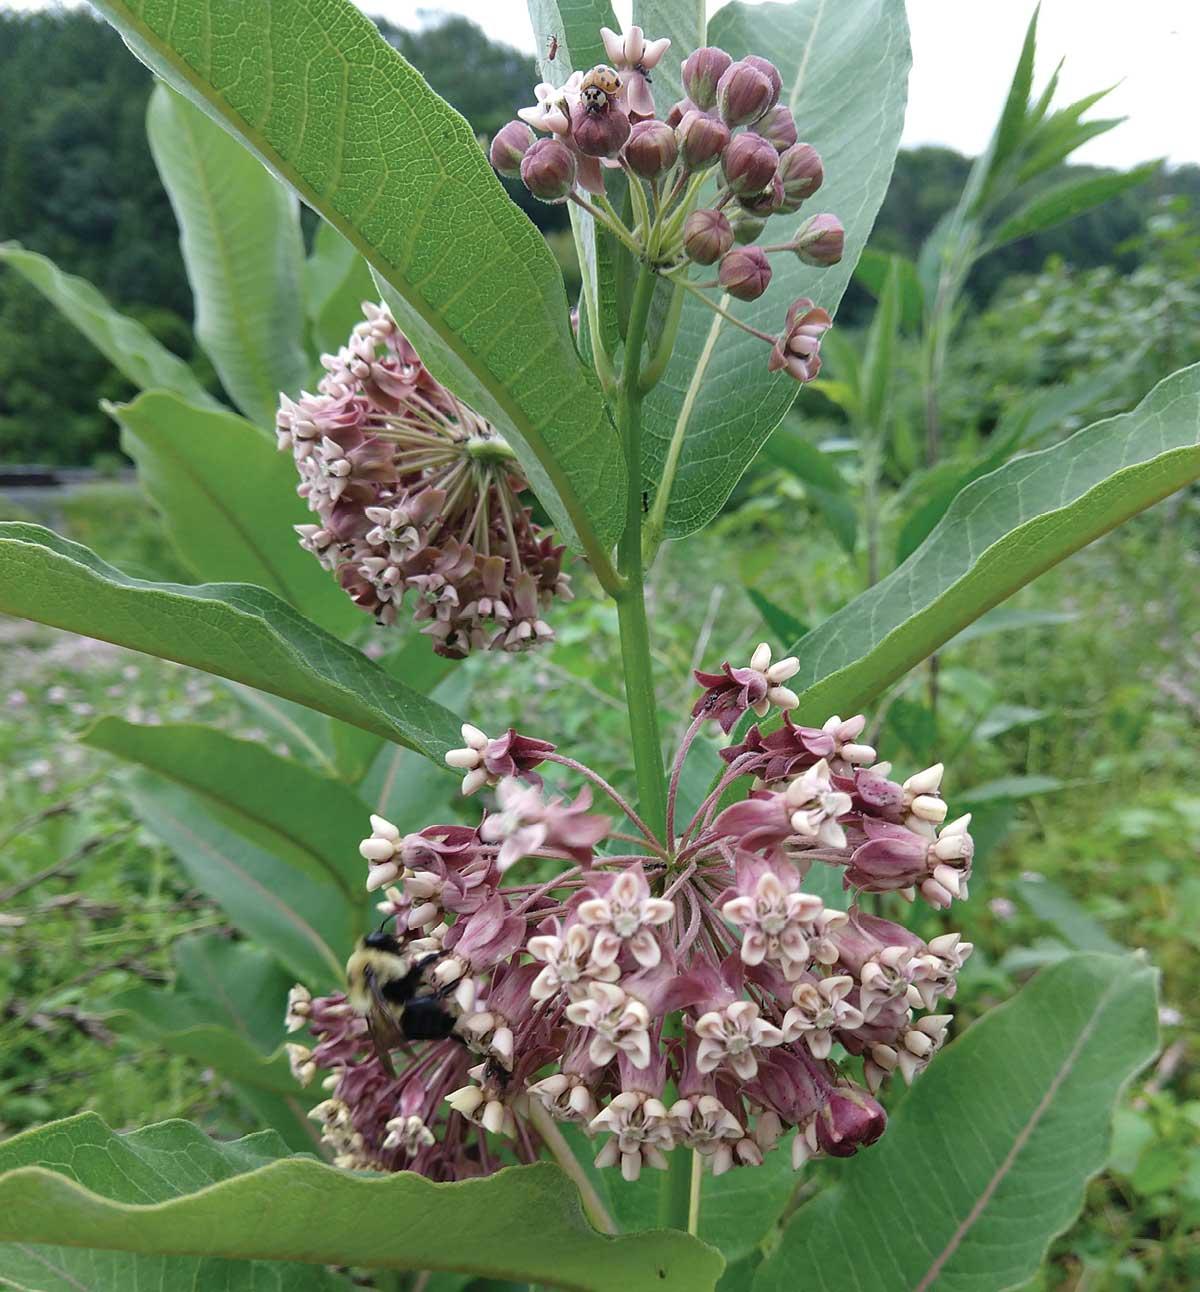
511	144
744	94
802	174
750	164
651	149
707	236
747	227
702	139
820	240
599	134
548	170
798	350
779	127
770	71
851	1120
679	109
745	273
702	69
765	203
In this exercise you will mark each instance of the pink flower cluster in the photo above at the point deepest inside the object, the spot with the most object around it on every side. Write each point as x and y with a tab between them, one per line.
682	991
417	495
730	125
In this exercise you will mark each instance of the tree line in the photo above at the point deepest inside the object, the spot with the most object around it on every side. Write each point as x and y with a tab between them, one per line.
77	183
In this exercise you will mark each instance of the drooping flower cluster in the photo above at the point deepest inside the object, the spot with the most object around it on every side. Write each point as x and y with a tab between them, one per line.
683	991
729	143
417	495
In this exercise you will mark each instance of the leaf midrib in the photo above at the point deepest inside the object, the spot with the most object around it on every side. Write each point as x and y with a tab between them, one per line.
1019	1141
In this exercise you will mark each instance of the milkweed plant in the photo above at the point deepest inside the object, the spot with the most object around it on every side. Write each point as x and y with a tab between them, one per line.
583	1000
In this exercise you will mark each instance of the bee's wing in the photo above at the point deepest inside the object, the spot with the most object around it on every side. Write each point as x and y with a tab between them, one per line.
382	1026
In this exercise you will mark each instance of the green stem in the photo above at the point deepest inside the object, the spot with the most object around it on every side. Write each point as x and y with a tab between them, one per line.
653	371
631	603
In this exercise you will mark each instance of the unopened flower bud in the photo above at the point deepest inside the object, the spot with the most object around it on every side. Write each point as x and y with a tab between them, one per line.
820	241
778	127
599	134
702	139
765	203
702	69
548	170
509	146
851	1120
802	174
745	273
744	94
651	149
707	236
770	71
747	227
749	163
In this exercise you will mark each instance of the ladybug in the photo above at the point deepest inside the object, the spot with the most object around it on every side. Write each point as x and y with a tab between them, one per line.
599	85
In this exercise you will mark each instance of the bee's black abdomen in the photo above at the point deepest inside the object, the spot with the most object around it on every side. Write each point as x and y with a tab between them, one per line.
426	1020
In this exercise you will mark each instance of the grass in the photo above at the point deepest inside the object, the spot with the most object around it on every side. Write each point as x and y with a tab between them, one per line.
1104	710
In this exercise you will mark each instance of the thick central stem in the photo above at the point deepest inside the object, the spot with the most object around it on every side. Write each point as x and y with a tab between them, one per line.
639	678
631	602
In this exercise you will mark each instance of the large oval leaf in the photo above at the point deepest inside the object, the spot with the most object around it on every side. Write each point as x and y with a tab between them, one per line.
123	341
986	1159
231	629
845	70
170	1189
228	502
240	236
312	88
999	533
281	806
307	924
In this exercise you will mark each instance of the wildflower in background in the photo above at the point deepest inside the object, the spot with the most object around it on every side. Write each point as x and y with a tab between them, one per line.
683	991
418	497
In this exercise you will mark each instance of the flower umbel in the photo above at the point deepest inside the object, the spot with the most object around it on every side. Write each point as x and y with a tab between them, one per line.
418	497
591	978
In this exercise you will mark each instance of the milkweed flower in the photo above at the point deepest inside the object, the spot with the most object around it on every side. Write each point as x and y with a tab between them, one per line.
417	498
588	976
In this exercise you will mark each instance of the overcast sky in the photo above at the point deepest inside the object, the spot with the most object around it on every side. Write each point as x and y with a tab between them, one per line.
963	55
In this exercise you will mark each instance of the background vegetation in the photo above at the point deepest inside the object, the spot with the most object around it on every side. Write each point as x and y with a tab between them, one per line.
1071	732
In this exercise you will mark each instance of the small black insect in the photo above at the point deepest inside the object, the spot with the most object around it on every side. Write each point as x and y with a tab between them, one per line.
552	49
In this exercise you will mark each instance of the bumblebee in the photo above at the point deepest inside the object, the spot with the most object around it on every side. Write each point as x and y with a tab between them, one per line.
387	988
599	85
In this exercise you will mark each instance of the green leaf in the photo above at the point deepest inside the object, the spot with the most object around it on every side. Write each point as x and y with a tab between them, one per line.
781	622
130	1174
1053	905
1001	532
228	502
225	1013
1067	200
305	923
279	805
1006	619
684	21
169	1189
231	629
880	355
717	399
315	91
1023	423
823	483
872	273
125	343
337	280
240	236
986	1158
1013	124
1005	789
